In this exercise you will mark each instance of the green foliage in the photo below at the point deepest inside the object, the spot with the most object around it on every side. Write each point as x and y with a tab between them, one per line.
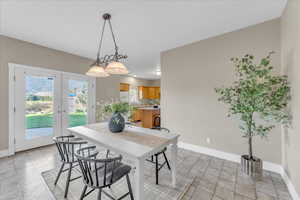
46	120
104	110
119	107
258	96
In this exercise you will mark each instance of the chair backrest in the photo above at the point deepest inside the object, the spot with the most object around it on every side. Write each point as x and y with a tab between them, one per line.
67	146
97	172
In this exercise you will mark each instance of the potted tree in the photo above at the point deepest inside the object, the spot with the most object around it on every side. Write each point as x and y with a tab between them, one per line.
259	98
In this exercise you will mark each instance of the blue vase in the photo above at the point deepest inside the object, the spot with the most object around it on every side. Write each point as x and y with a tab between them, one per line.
116	123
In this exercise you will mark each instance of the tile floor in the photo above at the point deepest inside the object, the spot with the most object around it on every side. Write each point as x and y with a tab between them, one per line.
217	179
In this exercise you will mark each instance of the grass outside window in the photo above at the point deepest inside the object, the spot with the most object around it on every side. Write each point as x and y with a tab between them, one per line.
46	120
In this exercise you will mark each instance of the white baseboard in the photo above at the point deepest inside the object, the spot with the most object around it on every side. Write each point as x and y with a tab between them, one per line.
4	153
273	167
210	152
236	158
227	156
290	185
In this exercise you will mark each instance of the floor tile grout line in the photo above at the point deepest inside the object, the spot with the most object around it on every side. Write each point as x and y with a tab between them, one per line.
214	193
236	176
277	194
203	175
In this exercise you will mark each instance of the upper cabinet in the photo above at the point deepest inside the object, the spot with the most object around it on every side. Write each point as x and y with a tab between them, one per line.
146	92
157	92
143	92
124	87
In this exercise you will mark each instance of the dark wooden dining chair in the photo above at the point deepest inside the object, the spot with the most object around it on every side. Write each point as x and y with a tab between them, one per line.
100	173
66	146
155	158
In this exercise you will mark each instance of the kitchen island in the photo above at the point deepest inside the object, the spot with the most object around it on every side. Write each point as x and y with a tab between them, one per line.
147	116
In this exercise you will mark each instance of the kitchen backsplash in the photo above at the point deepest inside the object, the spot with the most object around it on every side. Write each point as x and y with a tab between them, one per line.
150	101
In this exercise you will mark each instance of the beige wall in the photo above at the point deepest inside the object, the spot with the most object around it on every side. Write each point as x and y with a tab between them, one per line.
290	31
155	83
20	52
139	82
190	74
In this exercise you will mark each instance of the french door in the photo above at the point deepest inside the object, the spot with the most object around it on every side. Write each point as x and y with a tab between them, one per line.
77	101
48	102
37	105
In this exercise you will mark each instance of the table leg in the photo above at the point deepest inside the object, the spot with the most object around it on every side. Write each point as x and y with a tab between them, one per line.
174	149
139	179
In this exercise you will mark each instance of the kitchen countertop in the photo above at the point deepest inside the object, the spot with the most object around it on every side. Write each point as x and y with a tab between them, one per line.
149	108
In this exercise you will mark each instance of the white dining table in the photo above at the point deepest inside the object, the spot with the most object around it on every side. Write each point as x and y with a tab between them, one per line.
136	143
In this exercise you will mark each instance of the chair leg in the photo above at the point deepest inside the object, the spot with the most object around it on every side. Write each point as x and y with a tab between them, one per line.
156	168
129	187
68	180
168	164
59	173
83	192
99	194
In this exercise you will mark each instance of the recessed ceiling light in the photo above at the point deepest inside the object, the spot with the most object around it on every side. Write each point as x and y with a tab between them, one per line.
134	75
158	73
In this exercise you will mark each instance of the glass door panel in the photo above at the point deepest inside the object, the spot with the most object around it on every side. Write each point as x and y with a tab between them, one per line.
77	102
39	103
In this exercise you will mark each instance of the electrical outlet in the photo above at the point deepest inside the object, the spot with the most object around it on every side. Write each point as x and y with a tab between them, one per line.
208	140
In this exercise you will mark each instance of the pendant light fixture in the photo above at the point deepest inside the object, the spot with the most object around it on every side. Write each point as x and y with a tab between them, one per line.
108	64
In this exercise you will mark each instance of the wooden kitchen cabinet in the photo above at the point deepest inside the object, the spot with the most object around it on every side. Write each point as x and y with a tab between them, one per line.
124	87
143	92
137	115
157	92
149	92
148	116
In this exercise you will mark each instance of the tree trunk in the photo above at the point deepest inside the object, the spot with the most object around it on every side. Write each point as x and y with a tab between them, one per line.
250	137
250	147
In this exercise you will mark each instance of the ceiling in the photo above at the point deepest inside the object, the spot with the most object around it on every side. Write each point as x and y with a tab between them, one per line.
143	28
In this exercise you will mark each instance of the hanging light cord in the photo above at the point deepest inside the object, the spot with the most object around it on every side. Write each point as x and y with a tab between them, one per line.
100	43
116	56
113	36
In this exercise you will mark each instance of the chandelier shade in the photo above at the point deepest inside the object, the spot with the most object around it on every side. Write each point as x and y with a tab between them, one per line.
97	71
116	68
112	63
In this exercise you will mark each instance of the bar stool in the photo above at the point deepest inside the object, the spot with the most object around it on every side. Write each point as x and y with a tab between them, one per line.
156	121
159	166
